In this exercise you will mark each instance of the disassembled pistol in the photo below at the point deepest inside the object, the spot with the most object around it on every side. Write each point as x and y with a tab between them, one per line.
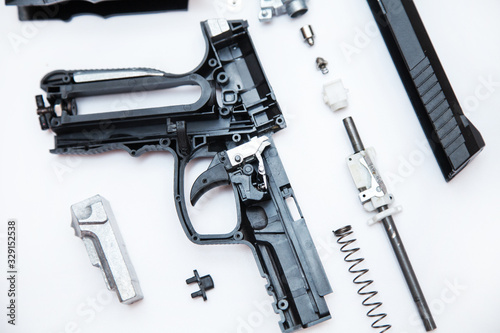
95	224
233	122
235	130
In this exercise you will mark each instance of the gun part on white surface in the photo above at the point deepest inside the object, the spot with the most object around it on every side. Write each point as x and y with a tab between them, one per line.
271	8
95	224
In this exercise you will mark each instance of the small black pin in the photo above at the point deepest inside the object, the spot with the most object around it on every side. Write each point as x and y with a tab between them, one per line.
205	283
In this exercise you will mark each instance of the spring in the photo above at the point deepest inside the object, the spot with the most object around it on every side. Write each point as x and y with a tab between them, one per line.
342	234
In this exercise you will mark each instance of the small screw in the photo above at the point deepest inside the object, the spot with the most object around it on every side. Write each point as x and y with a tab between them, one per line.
248	170
308	34
237	158
321	65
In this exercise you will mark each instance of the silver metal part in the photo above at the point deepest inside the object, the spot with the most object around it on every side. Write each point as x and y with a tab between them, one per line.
374	196
248	151
322	64
58	109
217	26
373	192
103	75
308	34
95	224
271	8
352	132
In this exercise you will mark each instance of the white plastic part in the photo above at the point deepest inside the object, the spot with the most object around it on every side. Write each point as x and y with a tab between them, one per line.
335	95
382	215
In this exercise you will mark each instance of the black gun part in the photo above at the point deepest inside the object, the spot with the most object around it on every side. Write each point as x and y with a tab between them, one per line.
453	139
32	10
232	122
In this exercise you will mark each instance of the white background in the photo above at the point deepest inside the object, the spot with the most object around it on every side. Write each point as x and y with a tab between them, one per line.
450	229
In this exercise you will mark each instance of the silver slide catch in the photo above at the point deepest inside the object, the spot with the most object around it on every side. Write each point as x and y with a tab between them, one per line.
251	150
95	224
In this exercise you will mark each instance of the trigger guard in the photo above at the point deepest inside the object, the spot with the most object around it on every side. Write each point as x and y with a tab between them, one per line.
213	177
233	237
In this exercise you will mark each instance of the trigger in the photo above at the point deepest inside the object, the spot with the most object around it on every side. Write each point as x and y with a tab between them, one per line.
215	175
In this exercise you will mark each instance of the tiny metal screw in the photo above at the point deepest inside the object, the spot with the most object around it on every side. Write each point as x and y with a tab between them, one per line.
308	34
321	64
248	169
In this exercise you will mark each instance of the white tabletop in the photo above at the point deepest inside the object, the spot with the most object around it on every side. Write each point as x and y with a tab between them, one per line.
450	230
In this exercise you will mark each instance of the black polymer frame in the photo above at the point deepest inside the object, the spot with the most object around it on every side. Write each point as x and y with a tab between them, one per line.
237	107
453	139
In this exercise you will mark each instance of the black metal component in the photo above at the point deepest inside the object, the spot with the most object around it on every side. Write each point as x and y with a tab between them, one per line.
352	132
216	175
205	283
397	244
66	9
453	139
342	234
245	113
409	274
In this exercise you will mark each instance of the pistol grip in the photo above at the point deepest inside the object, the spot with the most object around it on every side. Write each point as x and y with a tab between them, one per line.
282	245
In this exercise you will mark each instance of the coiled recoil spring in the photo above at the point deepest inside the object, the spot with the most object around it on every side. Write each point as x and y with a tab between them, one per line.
343	233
